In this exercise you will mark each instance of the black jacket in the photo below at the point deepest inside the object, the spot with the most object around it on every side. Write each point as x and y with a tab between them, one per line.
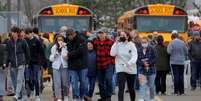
36	51
77	53
18	52
194	50
3	54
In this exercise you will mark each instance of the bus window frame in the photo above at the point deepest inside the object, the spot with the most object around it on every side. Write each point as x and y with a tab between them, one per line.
186	22
39	25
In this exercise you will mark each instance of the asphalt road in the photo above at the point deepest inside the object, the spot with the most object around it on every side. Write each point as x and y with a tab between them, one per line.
190	96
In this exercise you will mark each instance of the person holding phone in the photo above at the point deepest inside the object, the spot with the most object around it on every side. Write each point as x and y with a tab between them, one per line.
59	57
125	54
146	70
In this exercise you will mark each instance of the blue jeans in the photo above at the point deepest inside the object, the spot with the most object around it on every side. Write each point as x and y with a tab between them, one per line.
13	73
150	81
75	77
60	80
91	85
32	78
114	82
178	74
17	75
195	72
105	81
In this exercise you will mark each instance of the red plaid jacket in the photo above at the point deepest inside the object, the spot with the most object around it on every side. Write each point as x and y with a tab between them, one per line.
103	58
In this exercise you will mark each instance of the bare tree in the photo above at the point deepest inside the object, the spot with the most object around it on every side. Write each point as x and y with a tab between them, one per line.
28	9
197	6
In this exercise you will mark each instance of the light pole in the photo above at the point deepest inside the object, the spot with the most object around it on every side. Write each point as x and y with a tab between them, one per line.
8	15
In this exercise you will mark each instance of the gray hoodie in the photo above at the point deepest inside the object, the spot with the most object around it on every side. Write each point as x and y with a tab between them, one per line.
178	52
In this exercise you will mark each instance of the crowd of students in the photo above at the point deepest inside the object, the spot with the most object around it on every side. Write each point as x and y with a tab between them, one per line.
76	60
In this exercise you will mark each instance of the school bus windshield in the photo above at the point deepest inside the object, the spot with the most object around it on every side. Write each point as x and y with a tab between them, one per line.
53	23
161	23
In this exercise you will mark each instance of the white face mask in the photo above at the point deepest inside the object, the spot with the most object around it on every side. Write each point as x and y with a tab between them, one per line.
145	45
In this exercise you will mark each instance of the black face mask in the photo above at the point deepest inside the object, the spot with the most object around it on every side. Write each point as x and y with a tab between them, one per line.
122	39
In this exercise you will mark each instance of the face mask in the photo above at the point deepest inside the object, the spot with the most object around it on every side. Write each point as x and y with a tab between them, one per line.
122	39
145	45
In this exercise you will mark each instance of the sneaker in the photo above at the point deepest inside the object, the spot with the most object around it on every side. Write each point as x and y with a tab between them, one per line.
76	100
87	98
193	88
19	100
24	98
101	99
153	100
32	94
65	98
59	100
183	94
163	94
141	100
15	98
175	94
37	98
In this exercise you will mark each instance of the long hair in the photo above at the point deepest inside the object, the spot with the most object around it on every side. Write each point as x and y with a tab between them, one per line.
160	40
56	42
5	37
137	39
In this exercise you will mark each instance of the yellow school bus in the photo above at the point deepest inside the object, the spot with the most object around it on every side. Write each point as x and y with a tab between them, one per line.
163	18
52	18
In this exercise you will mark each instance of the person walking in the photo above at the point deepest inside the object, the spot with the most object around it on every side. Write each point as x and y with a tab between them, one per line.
3	72
195	57
92	72
18	56
178	53
162	66
77	64
146	70
37	57
59	58
137	41
125	54
105	65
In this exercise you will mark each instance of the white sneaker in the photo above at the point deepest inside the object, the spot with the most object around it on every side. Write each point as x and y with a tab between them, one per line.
32	95
76	100
152	100
37	98
15	98
59	100
19	100
141	100
24	98
65	98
